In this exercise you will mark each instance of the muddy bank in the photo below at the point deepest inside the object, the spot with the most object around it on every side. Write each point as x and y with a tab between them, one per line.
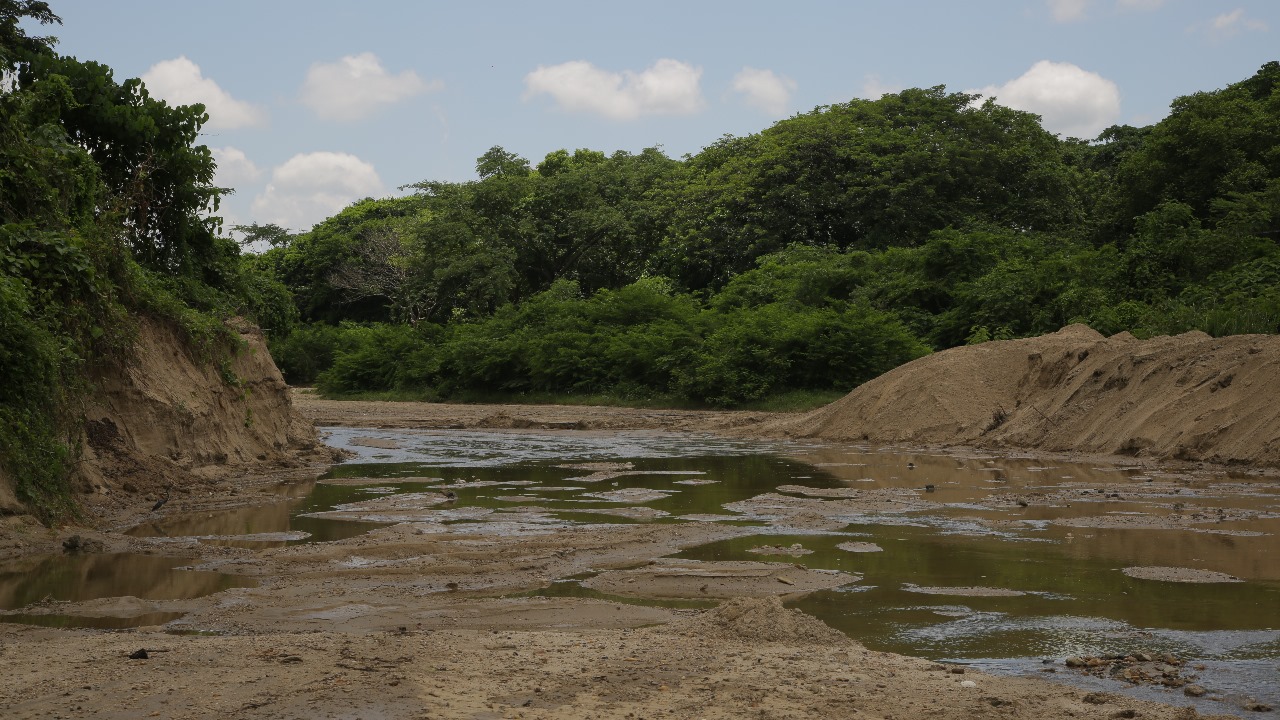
448	416
1187	397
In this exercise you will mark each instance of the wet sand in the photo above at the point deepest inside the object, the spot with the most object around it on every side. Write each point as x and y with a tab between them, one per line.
410	620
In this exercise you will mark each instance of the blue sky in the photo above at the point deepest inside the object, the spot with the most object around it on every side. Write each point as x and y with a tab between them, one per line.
315	103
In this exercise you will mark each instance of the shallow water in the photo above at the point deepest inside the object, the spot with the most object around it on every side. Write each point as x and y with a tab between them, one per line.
1057	534
75	577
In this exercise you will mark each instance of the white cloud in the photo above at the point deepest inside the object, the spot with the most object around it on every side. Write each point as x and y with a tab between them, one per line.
1140	4
357	86
235	169
669	87
180	82
1068	10
764	90
310	187
1233	23
874	89
1071	101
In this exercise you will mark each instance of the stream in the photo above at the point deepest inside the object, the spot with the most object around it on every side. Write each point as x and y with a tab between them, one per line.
1001	563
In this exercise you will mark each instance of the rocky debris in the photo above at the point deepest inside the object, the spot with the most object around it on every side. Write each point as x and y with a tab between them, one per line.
76	543
1139	668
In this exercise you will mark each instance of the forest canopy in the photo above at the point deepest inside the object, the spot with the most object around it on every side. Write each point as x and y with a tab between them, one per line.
808	257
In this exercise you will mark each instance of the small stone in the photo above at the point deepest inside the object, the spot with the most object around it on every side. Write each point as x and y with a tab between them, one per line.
1126	713
1255	706
1075	661
1194	690
139	655
968	684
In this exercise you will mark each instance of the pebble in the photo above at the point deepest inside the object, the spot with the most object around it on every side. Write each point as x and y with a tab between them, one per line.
968	684
1193	690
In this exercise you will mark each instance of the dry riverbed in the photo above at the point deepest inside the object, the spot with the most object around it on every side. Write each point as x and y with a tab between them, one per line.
419	620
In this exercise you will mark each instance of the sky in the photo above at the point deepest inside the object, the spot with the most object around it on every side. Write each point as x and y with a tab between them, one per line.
314	104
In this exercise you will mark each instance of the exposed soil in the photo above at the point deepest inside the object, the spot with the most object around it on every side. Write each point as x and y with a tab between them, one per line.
1187	397
422	619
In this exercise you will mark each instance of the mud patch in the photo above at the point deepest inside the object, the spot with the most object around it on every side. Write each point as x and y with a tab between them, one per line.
1178	574
794	550
860	547
963	591
668	578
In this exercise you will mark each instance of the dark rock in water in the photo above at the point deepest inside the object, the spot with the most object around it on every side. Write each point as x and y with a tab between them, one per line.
1194	690
139	655
1075	661
1255	706
75	543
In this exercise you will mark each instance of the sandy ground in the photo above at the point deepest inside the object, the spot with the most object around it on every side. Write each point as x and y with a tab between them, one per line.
410	622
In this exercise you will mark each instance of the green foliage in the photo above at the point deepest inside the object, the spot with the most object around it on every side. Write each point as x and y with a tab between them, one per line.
105	213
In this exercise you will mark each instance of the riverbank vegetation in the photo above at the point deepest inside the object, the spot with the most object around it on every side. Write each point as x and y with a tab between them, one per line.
106	212
811	256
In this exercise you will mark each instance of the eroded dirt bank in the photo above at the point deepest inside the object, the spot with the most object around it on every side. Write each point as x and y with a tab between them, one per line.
1186	397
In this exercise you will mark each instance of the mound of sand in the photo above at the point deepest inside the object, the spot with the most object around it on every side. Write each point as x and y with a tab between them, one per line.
1190	397
763	620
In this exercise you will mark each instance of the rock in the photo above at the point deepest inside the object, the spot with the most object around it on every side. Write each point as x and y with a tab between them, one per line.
972	684
1194	690
1126	713
1075	661
139	655
1095	699
1255	706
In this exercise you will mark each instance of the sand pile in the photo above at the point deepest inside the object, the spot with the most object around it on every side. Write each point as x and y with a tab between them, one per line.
1190	397
762	620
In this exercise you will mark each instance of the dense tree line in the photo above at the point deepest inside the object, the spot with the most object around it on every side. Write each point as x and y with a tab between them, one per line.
812	255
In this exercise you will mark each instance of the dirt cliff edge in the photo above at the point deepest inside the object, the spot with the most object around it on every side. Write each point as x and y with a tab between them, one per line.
165	419
1189	397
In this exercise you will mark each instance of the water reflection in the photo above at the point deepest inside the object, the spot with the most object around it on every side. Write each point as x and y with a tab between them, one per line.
76	578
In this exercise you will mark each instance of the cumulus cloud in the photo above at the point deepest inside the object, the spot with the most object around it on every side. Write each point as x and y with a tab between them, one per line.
1070	100
180	82
357	86
1068	10
764	89
1233	23
310	187
874	89
235	169
668	87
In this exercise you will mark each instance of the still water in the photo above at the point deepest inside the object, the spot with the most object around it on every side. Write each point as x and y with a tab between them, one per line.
1045	543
